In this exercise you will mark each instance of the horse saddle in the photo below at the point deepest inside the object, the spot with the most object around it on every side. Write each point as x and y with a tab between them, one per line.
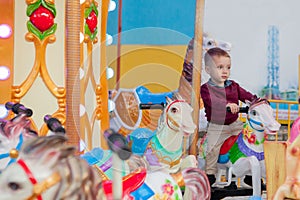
146	96
224	151
131	183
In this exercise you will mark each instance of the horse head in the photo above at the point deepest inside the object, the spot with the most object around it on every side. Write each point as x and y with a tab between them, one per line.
48	169
260	118
178	115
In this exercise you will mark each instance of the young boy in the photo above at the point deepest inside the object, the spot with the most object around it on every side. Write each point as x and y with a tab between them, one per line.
218	93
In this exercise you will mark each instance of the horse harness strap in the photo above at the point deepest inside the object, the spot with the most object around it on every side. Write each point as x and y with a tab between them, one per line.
39	188
163	155
14	152
255	122
169	118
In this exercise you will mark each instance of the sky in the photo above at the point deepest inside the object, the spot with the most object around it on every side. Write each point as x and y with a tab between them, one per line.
243	23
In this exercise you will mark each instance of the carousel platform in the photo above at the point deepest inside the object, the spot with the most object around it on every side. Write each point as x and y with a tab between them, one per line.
264	196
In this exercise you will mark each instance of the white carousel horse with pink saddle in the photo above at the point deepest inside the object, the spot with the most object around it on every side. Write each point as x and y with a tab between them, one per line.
48	169
290	189
244	154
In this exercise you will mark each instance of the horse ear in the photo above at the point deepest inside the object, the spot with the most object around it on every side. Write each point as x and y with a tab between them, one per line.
50	157
168	100
248	103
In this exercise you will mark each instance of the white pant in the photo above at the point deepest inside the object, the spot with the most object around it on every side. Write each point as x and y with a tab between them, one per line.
216	135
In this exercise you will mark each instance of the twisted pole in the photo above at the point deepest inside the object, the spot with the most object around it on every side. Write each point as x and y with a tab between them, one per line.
195	99
72	60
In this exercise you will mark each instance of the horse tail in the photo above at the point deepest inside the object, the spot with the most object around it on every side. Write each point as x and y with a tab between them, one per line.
196	180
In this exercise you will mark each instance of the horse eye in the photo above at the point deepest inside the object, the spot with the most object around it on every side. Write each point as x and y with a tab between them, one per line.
253	112
14	186
174	110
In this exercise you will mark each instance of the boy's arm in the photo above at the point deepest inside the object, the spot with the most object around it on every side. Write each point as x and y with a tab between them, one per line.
245	95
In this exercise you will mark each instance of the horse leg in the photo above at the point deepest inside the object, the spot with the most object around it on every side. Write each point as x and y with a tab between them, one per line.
256	175
281	192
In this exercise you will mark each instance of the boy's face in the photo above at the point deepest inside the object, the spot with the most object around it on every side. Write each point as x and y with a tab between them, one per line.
219	71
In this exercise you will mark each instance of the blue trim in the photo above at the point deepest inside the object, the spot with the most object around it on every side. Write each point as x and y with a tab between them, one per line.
255	122
18	147
4	155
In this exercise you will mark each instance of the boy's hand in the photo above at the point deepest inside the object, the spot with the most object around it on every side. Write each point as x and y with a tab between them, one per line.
234	108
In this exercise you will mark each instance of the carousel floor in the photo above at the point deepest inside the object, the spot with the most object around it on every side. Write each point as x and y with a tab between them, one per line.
243	197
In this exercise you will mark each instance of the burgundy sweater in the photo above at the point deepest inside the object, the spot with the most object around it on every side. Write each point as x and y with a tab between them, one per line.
216	98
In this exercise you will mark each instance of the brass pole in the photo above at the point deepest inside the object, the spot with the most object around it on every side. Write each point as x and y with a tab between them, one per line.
103	80
72	59
197	57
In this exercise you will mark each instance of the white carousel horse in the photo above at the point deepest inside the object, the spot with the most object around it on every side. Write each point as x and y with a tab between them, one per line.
141	183
159	184
13	133
244	154
48	169
165	144
290	189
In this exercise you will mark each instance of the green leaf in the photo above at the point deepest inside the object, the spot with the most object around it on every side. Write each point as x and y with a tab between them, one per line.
95	9
176	187
50	7
31	28
32	7
87	12
49	31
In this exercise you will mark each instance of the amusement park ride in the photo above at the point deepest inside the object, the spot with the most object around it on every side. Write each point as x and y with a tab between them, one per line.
123	143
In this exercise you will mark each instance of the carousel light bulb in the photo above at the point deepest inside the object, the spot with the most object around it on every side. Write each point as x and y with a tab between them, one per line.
4	73
109	39
109	73
5	31
111	105
81	73
81	37
3	111
81	110
112	6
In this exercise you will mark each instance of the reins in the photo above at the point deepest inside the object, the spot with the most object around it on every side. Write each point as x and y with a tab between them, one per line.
39	188
171	119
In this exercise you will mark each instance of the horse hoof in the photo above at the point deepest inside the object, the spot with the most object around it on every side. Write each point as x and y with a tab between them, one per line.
255	198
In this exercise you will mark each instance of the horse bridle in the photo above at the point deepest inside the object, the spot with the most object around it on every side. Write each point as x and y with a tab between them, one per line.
14	152
169	118
39	188
252	121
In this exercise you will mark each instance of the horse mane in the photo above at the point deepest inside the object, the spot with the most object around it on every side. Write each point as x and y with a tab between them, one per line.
75	173
257	101
39	145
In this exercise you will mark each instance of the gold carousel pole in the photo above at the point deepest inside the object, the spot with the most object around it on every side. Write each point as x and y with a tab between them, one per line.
72	58
103	79
199	15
